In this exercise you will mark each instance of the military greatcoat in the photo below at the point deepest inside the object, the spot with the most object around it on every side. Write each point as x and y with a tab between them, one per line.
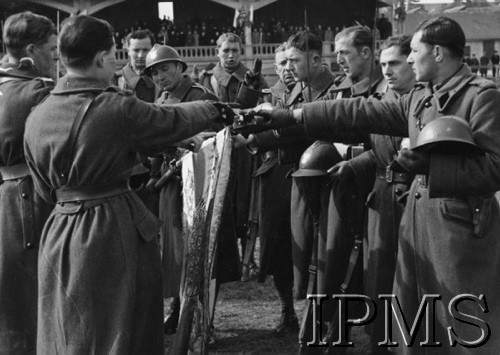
171	195
449	242
22	212
230	87
100	289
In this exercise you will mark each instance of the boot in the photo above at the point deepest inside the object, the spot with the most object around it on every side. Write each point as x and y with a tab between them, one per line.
172	318
289	323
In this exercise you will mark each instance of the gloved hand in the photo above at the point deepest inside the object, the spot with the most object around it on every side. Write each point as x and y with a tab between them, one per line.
226	114
194	143
413	161
252	78
263	118
342	170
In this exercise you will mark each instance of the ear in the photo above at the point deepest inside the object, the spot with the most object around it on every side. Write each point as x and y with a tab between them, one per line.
316	59
438	53
99	59
30	50
366	52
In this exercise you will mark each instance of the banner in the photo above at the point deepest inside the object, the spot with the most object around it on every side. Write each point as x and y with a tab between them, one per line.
205	177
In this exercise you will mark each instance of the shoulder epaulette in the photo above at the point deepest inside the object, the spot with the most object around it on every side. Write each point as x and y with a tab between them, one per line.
118	91
339	79
483	83
45	81
266	91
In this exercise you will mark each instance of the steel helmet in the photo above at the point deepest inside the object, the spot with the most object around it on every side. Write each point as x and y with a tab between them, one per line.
447	134
317	159
160	53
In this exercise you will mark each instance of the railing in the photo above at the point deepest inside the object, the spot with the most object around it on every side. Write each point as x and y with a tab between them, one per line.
206	54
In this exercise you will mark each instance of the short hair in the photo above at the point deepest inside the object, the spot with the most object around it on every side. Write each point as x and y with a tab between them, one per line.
401	41
81	38
360	36
230	37
280	48
305	40
445	32
141	34
25	28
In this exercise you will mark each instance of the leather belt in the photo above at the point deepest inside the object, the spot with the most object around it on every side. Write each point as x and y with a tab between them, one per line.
13	172
84	193
394	177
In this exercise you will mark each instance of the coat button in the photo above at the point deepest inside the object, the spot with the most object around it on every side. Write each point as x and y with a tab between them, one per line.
29	245
418	195
398	191
234	91
24	195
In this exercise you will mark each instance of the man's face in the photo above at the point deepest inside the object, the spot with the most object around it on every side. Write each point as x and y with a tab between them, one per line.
398	73
350	59
422	59
138	49
280	66
45	57
297	64
166	75
229	55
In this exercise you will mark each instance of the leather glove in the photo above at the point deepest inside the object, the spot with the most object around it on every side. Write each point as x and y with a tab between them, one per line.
194	143
413	161
252	77
226	114
342	170
262	118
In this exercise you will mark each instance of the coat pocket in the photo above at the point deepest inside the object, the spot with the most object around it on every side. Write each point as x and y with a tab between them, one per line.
457	209
148	227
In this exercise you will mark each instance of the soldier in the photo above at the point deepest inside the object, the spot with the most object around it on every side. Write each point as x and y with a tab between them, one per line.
166	68
132	76
386	201
282	151
27	77
233	82
449	242
99	266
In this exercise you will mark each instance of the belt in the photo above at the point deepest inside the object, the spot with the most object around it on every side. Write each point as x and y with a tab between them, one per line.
394	177
84	193
13	172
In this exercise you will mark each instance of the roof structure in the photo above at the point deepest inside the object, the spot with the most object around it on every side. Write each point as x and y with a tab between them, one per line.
87	7
479	24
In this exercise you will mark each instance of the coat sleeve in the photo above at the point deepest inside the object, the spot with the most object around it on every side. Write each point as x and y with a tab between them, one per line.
151	128
472	174
335	118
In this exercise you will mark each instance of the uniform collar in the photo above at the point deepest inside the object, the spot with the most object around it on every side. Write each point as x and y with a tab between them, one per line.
132	78
279	88
25	71
319	87
71	84
374	83
445	93
180	91
223	77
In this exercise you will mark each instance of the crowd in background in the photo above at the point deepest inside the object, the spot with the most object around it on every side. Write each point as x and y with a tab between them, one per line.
206	33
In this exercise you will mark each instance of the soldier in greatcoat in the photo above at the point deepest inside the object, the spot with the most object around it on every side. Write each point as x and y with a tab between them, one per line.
448	245
166	68
231	81
100	289
25	79
282	150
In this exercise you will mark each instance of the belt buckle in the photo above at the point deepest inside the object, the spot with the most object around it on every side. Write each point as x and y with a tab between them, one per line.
388	174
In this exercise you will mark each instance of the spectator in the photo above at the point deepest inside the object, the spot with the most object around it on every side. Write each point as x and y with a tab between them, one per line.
484	61
495	60
474	63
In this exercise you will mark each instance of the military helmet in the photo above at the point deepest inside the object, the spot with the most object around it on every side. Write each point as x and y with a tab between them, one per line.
317	159
448	135
159	54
